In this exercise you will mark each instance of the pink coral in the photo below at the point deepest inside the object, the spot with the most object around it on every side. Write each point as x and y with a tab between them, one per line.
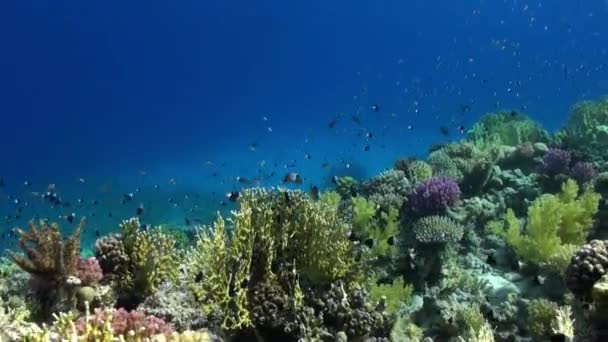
88	270
124	321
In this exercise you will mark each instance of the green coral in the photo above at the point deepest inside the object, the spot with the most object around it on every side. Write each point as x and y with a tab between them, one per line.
541	315
274	234
419	171
346	186
331	198
443	165
363	214
153	257
380	230
505	128
393	295
556	225
405	331
587	127
437	229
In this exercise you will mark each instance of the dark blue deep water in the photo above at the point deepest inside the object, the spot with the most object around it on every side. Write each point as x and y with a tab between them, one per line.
179	99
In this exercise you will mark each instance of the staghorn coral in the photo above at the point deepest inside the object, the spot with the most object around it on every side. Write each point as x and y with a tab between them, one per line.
275	233
434	196
437	229
152	258
586	267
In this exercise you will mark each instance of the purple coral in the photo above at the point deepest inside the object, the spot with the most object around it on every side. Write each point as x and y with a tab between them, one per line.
434	195
556	161
88	270
583	172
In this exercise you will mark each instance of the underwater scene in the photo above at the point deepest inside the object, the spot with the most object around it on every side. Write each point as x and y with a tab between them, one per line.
327	170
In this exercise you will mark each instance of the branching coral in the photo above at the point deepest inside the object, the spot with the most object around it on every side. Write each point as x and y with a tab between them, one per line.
587	127
274	234
437	229
48	256
141	260
541	314
388	190
434	196
556	226
505	128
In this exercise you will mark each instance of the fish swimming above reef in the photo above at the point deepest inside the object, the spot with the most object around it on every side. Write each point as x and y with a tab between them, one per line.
293	178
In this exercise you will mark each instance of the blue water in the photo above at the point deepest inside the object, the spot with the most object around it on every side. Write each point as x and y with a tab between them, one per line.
138	94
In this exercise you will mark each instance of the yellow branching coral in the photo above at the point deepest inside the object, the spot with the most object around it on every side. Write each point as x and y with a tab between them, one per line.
274	233
152	254
47	255
556	225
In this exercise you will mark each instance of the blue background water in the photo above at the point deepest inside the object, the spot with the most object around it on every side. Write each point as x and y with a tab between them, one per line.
128	95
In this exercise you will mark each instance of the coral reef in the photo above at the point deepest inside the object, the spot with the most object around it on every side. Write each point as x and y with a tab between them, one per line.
434	196
388	190
437	229
587	266
556	226
498	236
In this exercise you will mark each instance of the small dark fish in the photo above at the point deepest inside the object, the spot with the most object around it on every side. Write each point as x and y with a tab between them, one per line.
242	180
71	217
199	277
334	179
97	234
461	129
2	184
333	123
465	108
156	186
369	135
126	198
233	196
27	183
307	156
375	108
325	165
514	113
355	119
314	192
444	130
140	210
187	221
293	178
110	214
366	148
